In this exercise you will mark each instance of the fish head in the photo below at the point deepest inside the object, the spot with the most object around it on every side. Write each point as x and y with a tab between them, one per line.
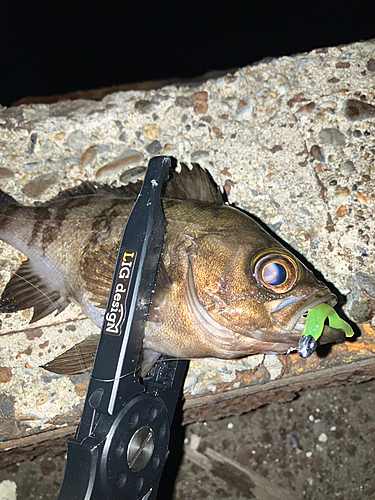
245	292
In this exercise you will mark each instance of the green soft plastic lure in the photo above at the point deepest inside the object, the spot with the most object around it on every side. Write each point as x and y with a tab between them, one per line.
315	326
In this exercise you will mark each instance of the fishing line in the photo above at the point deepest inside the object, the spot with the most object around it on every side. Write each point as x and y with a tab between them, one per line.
36	288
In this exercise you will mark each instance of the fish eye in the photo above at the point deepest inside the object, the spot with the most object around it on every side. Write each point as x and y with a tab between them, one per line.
274	274
276	271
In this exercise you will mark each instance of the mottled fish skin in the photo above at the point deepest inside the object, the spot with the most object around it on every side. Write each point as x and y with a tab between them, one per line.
60	237
207	300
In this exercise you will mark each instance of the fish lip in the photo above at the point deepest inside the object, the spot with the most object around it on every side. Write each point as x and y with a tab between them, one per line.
295	324
331	335
329	298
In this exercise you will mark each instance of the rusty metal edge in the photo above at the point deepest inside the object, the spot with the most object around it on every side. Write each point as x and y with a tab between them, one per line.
37	438
29	447
237	401
205	408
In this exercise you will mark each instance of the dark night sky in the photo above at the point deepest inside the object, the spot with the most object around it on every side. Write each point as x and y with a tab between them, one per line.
56	47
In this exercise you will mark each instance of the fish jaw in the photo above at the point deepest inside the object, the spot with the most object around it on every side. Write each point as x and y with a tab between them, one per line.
288	311
296	324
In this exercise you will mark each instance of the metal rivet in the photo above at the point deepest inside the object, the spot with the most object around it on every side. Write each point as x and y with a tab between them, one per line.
141	448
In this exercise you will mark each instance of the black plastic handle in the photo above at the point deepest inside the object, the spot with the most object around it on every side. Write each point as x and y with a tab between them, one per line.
122	442
131	292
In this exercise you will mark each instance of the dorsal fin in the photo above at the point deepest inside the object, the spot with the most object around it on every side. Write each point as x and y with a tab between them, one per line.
192	184
188	184
26	289
5	197
94	188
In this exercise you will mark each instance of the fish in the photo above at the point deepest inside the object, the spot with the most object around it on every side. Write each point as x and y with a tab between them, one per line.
225	288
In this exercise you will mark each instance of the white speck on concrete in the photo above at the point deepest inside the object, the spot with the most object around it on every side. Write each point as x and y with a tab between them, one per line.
8	490
195	442
323	438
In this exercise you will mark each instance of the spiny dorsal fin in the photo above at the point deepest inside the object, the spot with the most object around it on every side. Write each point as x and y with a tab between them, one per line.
26	289
192	184
94	188
78	359
188	184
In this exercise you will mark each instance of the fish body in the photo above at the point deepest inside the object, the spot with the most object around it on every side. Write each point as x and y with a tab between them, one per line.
225	287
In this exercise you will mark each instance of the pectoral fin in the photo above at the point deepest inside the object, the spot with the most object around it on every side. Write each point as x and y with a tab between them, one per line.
97	273
148	359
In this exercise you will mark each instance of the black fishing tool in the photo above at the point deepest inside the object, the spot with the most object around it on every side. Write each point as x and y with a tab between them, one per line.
122	442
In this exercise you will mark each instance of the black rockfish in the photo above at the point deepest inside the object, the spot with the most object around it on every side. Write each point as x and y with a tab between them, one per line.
225	287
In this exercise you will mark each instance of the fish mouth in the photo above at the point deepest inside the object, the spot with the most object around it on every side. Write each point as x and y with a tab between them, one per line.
289	314
296	323
315	301
329	335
